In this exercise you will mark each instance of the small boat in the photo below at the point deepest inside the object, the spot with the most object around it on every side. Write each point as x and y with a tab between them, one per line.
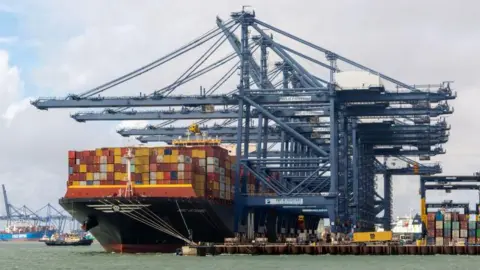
81	242
45	238
69	240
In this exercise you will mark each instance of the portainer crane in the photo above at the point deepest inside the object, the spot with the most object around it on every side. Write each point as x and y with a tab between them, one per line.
326	141
47	215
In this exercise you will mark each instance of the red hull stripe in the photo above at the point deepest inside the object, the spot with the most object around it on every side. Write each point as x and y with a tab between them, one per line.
124	248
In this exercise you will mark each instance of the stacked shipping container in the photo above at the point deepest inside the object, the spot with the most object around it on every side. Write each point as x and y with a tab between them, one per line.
210	170
451	228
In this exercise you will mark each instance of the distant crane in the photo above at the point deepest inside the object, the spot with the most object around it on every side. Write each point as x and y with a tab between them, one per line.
47	215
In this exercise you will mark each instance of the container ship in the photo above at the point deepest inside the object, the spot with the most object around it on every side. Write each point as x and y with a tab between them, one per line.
25	232
153	199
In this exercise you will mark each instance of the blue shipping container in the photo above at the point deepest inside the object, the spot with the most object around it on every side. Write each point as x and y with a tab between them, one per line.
173	175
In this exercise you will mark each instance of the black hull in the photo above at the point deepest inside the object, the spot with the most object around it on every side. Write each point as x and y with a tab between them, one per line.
83	242
124	228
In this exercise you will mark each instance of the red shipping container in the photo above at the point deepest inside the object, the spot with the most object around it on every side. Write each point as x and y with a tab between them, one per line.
153	167
124	168
105	152
446	241
110	159
439	233
461	217
187	175
472	240
123	151
90	168
76	168
71	162
110	176
73	177
153	159
463	225
71	154
91	153
431	233
82	177
117	167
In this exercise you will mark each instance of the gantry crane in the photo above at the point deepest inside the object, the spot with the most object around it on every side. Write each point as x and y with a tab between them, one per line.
324	139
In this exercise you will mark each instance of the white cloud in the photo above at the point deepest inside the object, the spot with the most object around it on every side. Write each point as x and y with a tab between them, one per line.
8	40
86	45
6	9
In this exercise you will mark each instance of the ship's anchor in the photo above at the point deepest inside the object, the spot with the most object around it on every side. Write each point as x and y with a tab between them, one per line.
115	208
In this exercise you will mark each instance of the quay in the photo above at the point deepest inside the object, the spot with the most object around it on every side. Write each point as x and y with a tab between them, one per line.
289	249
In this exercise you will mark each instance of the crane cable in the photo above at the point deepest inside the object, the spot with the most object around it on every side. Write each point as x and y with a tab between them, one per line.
159	225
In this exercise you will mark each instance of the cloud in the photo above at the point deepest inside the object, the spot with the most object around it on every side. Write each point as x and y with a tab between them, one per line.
8	40
88	44
6	9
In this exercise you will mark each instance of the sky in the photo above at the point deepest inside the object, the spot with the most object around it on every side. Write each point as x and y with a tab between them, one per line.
52	48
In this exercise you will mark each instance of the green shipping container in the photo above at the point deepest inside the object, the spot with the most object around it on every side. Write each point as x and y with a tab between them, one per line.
472	225
447	225
456	225
478	233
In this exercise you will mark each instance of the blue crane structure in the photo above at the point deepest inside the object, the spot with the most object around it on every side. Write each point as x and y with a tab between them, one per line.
47	215
326	140
448	183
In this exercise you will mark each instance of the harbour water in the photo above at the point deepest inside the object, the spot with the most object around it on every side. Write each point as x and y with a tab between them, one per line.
28	256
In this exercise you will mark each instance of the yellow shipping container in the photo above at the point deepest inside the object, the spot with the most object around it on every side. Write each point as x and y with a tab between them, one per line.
110	168
146	182
83	168
175	152
144	151
145	176
117	151
160	176
200	177
141	160
227	180
197	153
118	176
89	176
216	186
372	236
117	159
200	192
76	183
98	152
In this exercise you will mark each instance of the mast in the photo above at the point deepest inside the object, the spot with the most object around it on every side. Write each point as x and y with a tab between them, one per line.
129	188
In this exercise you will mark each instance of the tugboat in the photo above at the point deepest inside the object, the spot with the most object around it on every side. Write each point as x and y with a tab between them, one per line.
44	238
69	240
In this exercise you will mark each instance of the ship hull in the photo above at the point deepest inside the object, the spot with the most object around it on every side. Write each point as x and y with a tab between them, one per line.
137	225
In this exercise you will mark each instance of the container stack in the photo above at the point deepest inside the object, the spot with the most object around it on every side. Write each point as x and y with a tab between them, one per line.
439	228
472	232
431	228
478	231
209	169
447	228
